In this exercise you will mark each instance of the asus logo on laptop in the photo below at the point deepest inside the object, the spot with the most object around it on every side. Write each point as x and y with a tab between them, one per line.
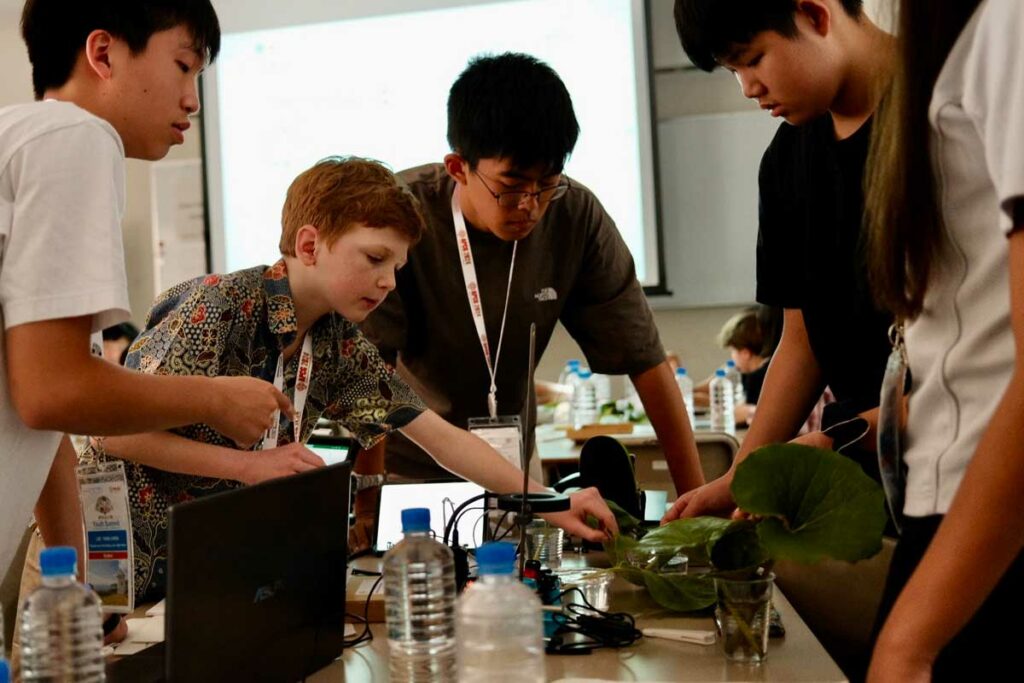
267	592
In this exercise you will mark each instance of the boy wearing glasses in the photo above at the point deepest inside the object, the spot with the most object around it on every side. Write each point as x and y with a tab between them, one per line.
512	241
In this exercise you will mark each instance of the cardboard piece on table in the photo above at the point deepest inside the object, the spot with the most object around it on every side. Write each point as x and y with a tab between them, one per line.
357	589
588	431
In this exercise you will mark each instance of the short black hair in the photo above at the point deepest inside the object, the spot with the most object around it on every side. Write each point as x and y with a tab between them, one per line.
55	30
709	29
512	106
123	330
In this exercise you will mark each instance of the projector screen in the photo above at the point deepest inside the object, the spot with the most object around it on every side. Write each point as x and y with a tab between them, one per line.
301	80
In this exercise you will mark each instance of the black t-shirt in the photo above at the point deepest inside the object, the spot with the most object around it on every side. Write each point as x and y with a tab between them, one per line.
753	381
810	255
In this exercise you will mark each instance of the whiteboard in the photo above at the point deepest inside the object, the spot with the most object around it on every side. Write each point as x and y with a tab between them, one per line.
709	166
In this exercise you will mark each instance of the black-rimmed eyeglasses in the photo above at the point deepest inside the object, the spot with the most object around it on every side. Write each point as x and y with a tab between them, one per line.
512	199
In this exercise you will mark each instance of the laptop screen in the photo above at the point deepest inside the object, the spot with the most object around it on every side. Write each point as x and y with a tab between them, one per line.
441	498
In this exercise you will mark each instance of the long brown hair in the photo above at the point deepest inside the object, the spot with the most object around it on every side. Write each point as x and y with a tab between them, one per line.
904	222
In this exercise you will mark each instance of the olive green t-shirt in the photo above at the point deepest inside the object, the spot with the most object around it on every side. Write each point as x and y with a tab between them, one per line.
573	267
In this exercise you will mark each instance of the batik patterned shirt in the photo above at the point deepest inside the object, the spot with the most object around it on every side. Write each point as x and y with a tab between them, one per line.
237	325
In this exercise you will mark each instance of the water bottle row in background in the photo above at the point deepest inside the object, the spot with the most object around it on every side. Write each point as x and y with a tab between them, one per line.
722	398
62	624
685	385
588	392
734	375
499	622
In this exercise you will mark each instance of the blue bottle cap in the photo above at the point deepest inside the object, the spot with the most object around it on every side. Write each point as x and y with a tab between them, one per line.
5	671
573	363
496	558
719	372
730	363
585	373
415	519
59	560
680	372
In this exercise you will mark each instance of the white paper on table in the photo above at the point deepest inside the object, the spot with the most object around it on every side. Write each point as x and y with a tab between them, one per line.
157	609
145	630
126	649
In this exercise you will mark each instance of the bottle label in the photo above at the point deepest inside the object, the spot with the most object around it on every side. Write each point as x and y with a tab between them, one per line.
109	554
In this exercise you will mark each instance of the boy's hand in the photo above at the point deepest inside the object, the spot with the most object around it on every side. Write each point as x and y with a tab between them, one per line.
242	408
282	461
713	498
586	502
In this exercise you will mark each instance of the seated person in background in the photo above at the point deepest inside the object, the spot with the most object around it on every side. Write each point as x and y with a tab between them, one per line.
751	337
544	251
347	227
116	341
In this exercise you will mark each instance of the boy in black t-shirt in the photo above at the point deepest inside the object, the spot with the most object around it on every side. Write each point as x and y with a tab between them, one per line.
820	65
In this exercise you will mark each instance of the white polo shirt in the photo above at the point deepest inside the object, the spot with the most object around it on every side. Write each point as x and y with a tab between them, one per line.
961	347
61	202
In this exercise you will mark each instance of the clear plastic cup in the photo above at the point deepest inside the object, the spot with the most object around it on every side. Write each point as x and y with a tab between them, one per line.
544	543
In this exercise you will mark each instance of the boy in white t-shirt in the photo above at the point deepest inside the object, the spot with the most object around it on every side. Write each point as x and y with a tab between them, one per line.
119	79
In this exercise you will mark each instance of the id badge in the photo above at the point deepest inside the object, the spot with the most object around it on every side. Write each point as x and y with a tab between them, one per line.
503	433
110	557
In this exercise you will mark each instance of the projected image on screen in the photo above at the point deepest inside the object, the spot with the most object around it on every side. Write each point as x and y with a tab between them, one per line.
279	99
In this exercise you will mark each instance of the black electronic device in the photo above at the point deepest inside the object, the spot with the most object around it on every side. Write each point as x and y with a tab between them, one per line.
256	584
333	449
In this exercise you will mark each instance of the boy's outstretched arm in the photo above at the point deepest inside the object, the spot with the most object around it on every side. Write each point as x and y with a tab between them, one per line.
472	458
56	384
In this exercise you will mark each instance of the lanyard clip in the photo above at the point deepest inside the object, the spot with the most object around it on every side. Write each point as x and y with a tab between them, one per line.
492	403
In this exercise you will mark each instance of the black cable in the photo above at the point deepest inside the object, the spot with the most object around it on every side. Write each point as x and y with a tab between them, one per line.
458	513
604	629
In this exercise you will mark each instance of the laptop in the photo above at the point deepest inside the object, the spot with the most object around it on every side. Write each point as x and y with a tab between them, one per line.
440	497
256	584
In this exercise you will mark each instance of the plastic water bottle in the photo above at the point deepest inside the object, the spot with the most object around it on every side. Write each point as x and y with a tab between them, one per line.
571	368
733	373
62	624
584	401
723	416
602	388
419	598
686	389
500	624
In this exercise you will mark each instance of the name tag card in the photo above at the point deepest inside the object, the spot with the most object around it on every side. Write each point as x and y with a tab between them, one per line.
110	557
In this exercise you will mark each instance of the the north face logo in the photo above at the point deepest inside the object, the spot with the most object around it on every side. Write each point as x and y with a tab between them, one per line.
546	294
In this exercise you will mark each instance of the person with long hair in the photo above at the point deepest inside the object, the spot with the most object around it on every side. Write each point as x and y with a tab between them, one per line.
945	205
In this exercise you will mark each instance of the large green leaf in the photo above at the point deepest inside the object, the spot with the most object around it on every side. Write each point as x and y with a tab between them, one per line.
815	503
678	592
681	592
628	524
738	548
695	535
617	548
